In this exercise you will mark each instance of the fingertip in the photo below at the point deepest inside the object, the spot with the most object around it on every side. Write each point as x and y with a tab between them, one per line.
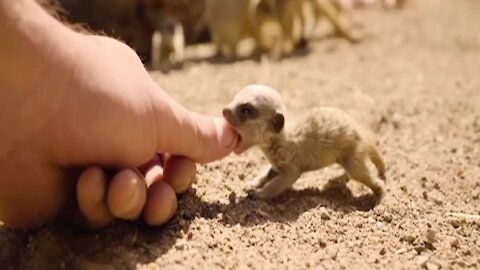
153	174
161	204
127	195
91	190
199	137
147	165
179	173
218	139
227	136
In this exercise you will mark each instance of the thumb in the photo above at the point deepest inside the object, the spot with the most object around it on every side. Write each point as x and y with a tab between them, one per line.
198	137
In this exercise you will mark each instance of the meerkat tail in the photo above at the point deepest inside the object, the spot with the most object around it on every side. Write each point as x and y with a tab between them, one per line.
377	160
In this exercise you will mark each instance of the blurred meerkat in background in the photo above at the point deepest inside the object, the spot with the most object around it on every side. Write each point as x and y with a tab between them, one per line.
231	21
299	19
293	16
189	13
333	11
168	39
168	45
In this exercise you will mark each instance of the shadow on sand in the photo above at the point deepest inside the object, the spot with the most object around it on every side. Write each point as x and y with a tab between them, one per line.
123	245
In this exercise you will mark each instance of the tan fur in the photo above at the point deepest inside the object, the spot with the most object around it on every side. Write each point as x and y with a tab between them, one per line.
299	18
231	21
322	137
168	45
190	13
332	10
293	18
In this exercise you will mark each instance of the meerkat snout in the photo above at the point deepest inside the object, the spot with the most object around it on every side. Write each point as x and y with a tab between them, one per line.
256	113
228	115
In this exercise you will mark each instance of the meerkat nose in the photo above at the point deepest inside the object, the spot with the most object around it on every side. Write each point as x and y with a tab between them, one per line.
226	113
229	116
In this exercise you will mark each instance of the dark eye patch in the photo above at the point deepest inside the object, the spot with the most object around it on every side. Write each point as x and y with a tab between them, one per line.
247	111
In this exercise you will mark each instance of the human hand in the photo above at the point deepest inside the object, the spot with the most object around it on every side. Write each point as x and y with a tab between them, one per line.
89	104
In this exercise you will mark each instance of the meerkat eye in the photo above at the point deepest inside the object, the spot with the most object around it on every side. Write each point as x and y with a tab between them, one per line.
247	111
278	122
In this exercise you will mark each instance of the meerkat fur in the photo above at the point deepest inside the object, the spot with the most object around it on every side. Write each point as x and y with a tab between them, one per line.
332	10
231	21
322	137
168	44
299	20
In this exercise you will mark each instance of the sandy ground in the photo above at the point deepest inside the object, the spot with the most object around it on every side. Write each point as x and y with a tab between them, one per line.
416	83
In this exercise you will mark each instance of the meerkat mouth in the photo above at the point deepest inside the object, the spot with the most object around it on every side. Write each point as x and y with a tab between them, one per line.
239	148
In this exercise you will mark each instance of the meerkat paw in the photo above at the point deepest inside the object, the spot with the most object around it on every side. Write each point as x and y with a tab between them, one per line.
378	192
267	192
252	192
251	185
353	37
255	193
254	185
258	194
258	182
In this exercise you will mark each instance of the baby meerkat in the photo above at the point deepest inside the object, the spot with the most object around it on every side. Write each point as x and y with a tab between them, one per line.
324	136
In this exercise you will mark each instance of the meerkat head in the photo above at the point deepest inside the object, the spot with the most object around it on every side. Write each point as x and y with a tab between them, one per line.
257	114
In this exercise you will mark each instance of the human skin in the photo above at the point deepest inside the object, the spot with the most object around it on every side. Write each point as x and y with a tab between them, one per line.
71	100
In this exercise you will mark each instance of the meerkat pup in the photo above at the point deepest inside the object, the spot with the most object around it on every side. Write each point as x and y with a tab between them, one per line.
323	136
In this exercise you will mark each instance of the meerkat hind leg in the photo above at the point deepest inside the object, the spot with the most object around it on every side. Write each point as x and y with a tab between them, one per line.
338	182
277	185
357	169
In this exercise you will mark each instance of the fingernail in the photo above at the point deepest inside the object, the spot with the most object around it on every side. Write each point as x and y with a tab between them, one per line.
227	136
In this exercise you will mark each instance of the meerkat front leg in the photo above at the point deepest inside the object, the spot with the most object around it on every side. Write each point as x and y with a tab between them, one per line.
267	174
283	181
178	44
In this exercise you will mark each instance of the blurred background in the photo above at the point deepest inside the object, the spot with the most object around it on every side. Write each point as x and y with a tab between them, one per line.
160	30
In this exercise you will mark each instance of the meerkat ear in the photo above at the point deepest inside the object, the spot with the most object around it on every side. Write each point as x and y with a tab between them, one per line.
278	122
